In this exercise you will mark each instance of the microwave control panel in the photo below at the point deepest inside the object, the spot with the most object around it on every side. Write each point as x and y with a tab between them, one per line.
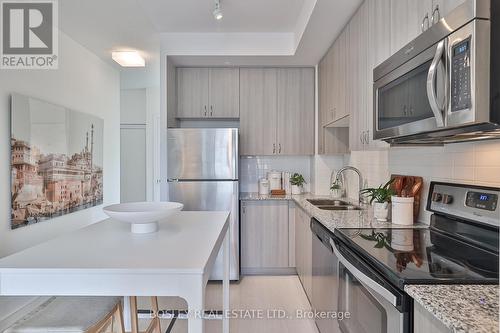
460	76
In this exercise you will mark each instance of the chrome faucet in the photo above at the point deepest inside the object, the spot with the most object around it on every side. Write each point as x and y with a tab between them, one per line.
340	178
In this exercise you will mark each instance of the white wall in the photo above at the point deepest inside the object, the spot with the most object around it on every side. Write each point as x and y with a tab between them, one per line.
133	104
84	83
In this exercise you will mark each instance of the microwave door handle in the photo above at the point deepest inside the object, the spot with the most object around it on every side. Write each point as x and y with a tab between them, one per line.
384	293
431	85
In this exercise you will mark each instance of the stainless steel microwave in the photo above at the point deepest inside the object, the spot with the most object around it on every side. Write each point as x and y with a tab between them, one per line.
444	86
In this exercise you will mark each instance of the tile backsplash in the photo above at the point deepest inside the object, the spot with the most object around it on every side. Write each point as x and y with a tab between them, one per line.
254	167
473	163
470	163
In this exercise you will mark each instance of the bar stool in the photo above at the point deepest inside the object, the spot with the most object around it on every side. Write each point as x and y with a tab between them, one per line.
154	324
72	315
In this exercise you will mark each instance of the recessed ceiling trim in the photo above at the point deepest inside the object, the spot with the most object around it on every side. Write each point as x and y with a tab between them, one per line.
228	43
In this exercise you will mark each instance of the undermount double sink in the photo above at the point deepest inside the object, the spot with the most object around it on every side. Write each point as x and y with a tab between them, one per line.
331	204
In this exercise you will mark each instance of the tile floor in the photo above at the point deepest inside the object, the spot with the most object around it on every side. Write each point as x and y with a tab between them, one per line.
251	293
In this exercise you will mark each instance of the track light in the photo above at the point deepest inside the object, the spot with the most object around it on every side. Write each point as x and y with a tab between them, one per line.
218	11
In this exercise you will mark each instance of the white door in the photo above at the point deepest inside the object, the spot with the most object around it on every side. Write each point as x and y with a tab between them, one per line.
133	163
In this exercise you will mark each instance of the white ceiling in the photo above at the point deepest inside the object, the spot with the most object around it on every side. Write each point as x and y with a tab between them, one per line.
325	23
239	15
306	28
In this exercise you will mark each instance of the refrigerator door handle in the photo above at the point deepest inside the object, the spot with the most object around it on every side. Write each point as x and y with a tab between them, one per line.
172	180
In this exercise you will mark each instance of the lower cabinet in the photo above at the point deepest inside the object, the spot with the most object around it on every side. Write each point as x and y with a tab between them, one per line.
425	322
265	237
303	249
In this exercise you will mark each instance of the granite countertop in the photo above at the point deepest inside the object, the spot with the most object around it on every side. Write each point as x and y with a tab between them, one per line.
461	308
333	219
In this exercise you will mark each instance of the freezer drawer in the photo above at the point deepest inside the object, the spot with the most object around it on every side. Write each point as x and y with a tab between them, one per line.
203	153
213	196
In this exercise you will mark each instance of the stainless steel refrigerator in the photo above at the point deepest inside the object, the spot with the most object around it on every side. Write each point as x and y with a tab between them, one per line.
203	175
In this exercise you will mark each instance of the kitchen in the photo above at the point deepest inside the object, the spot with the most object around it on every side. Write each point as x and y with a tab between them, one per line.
236	101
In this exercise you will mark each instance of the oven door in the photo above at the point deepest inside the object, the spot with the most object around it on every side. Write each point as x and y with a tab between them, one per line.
412	98
373	305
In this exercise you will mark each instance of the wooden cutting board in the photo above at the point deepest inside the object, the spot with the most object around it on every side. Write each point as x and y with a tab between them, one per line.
410	186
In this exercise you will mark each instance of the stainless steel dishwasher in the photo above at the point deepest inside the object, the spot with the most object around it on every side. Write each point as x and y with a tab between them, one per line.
325	278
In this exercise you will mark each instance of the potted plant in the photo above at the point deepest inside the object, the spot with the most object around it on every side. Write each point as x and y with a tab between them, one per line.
297	181
381	199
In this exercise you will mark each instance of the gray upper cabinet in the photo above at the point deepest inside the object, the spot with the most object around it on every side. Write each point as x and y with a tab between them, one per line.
340	75
224	97
441	8
258	107
357	64
333	78
295	135
334	75
409	18
322	103
277	111
207	93
192	92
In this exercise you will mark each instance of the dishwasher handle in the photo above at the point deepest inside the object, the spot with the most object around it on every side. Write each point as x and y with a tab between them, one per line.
386	294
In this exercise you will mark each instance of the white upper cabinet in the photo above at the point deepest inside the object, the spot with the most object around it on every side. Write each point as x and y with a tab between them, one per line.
207	93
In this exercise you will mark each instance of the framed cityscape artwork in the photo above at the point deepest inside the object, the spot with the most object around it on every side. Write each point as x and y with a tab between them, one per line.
56	160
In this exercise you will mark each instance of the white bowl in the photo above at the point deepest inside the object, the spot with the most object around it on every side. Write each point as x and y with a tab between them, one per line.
143	216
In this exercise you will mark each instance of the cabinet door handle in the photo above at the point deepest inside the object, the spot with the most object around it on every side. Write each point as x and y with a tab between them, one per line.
205	110
426	18
436	10
274	148
362	137
367	138
279	148
211	110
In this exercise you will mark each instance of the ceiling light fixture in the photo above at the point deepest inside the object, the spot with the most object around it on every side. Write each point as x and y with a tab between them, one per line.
128	58
218	11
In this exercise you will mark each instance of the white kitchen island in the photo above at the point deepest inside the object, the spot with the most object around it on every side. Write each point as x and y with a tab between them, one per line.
106	259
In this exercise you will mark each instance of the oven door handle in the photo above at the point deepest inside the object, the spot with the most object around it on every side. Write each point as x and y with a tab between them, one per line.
431	85
386	294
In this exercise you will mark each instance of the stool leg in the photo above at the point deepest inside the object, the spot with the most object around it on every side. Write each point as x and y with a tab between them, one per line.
133	314
121	323
156	310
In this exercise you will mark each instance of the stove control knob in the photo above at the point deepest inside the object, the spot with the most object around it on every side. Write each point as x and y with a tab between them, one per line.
437	197
447	199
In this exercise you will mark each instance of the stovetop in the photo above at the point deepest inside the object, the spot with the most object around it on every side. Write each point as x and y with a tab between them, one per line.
424	256
459	247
